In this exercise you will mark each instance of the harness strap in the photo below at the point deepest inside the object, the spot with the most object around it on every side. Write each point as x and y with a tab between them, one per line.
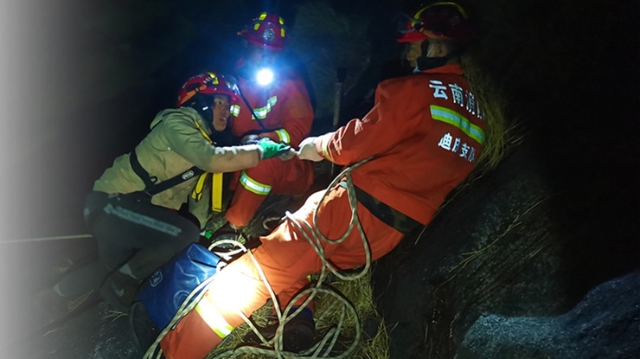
216	192
216	182
176	180
150	185
148	180
390	216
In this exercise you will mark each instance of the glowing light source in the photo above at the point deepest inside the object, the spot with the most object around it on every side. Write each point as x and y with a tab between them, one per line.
264	76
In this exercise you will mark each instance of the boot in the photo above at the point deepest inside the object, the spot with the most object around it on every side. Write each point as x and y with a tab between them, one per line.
82	280
120	290
298	333
227	231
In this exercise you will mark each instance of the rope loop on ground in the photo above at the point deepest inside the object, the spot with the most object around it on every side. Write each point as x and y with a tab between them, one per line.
315	237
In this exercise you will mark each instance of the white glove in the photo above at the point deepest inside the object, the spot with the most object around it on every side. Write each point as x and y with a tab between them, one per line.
308	151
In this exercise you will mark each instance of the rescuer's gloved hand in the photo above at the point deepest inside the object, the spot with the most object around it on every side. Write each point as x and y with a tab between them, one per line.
272	149
250	140
288	155
308	150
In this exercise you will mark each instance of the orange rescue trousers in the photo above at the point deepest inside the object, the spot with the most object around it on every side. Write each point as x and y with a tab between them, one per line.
286	259
273	175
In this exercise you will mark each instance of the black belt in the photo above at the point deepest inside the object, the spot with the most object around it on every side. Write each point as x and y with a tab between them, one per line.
150	185
400	221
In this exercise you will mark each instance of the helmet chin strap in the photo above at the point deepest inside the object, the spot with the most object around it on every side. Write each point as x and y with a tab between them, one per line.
201	105
427	63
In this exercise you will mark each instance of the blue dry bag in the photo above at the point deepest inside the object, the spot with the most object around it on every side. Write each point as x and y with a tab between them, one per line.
167	288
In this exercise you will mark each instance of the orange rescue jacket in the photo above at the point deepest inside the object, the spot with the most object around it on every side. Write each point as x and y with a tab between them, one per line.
284	108
425	132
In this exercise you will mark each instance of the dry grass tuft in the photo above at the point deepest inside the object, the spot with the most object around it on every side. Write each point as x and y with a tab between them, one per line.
372	345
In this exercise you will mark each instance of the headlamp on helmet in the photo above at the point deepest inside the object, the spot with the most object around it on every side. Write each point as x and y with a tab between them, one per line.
440	20
264	76
266	30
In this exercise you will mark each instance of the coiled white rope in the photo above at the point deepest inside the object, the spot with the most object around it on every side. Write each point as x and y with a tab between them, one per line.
315	239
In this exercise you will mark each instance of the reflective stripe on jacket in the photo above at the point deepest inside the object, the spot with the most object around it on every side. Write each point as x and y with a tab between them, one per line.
284	108
425	132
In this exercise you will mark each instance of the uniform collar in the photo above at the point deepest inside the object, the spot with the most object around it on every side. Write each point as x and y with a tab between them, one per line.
454	68
198	120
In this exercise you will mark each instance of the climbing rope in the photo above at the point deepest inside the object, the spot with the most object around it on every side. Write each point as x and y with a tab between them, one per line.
315	238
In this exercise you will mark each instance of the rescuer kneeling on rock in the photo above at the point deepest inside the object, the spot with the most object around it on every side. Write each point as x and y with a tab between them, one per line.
133	209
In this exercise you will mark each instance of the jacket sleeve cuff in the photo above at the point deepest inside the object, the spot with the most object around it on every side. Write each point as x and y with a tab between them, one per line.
322	146
280	135
258	149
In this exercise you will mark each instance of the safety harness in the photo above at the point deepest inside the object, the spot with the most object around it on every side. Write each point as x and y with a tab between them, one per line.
391	217
216	182
150	186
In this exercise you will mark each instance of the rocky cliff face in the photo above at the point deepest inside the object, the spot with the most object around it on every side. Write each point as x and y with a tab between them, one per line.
509	247
603	325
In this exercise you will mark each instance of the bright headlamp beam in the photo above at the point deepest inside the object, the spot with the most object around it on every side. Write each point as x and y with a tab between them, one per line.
264	76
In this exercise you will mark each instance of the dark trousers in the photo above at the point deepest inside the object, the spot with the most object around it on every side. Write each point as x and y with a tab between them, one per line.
129	230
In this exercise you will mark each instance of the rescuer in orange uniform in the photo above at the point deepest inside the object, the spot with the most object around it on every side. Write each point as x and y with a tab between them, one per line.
423	135
280	110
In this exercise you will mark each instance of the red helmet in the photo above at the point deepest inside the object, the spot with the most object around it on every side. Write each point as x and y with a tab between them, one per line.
267	30
441	20
208	83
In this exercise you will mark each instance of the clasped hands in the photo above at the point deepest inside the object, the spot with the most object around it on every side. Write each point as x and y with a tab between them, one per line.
307	149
